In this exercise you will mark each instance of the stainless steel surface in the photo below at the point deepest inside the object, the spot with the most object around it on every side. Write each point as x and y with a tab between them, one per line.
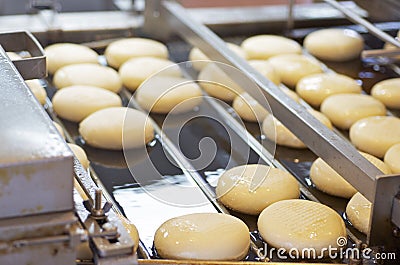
36	169
383	208
121	245
290	18
29	68
360	21
48	239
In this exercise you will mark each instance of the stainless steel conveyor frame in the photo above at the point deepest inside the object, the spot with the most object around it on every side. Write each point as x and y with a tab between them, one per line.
168	17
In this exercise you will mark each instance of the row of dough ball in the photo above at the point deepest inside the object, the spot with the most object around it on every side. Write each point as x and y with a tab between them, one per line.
156	95
288	224
63	54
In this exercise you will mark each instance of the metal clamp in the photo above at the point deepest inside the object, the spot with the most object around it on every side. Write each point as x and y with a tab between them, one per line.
96	211
29	68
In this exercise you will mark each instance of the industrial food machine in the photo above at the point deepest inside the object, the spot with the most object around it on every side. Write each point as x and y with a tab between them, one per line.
55	212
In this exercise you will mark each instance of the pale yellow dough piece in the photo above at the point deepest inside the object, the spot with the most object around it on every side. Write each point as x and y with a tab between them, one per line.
358	212
388	92
261	47
61	54
266	69
203	236
121	51
292	67
88	75
301	224
250	110
132	231
389	46
75	103
59	129
336	45
117	128
14	56
315	88
277	132
197	55
392	158
250	189
345	109
329	181
163	94
38	90
375	135
136	70
221	86
80	155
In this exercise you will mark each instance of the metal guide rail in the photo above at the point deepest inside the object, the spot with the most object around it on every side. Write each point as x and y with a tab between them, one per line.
339	154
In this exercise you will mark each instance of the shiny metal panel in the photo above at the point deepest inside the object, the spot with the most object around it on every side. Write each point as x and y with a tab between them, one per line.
36	170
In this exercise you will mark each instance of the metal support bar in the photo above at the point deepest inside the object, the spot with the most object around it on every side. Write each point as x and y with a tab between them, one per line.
360	21
384	212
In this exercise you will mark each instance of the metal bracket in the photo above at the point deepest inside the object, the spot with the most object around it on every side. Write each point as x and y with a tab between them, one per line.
385	211
29	68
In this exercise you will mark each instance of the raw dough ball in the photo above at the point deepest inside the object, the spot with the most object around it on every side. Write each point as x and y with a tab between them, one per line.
132	231
265	46
203	236
228	89
89	75
329	181
105	128
134	71
266	69
336	45
358	212
301	224
162	94
392	158
250	189
315	88
292	67
388	92
75	103
197	55
248	108
80	155
345	109
277	132
14	56
291	94
38	90
62	54
375	135
121	51
59	129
